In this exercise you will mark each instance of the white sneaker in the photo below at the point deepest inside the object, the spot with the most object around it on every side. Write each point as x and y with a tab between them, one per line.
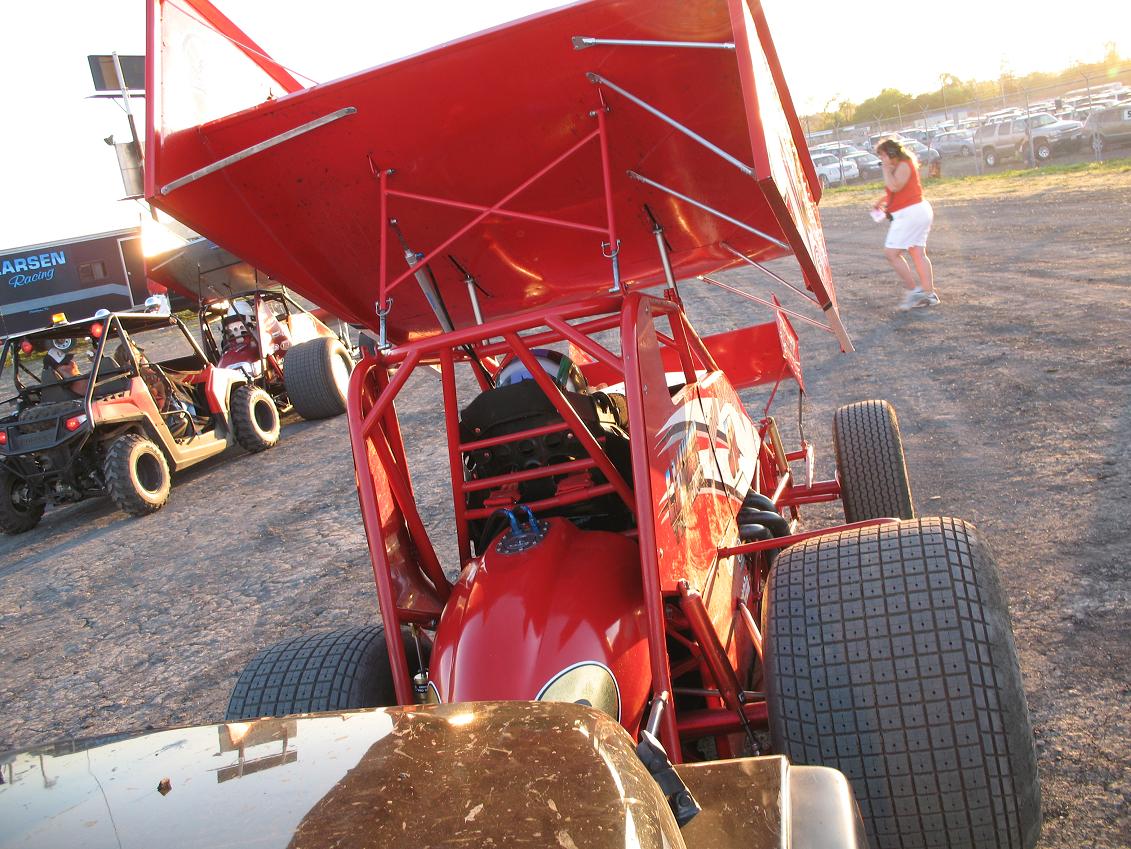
912	299
931	299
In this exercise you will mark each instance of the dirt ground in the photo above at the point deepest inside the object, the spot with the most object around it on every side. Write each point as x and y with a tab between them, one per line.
1014	397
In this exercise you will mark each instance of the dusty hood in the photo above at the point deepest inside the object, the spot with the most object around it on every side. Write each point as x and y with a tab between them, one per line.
461	775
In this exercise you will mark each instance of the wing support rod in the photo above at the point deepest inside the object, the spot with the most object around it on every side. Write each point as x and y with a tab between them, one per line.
776	307
774	276
580	42
641	178
672	122
256	148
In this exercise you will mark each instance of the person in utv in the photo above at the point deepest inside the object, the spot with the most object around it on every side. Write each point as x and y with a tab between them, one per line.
58	377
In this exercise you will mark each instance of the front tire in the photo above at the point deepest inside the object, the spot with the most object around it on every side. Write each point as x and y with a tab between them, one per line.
989	156
255	418
823	180
870	462
137	475
317	374
338	670
19	511
890	656
1043	150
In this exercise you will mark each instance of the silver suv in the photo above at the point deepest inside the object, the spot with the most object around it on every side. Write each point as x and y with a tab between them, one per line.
1011	138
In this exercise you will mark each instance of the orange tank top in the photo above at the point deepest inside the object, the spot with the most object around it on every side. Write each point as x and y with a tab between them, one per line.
909	195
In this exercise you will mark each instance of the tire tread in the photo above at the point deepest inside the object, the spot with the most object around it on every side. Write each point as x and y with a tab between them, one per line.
890	656
308	375
870	462
335	670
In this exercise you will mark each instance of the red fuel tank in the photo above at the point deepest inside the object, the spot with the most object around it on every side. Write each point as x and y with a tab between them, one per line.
559	620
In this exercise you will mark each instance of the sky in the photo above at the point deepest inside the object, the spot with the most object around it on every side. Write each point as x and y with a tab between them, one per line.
60	180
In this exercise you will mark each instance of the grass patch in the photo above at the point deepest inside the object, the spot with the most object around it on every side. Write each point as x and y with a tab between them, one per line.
1080	176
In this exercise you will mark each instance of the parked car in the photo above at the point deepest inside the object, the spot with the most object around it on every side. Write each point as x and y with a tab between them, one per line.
1011	138
919	135
929	160
838	149
1109	126
831	170
868	164
954	143
876	138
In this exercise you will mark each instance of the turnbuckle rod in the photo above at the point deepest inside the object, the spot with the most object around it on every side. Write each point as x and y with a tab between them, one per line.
642	179
580	42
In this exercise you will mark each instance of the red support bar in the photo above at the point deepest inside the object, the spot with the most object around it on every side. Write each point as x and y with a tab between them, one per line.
793	539
685	666
715	722
455	457
439	249
505	213
390	392
371	519
402	492
606	173
588	345
545	430
567	468
649	560
712	652
548	503
751	628
475	334
814	494
383	287
550	336
566	411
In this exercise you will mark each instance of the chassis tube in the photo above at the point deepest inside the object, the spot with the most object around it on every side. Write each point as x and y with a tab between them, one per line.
649	562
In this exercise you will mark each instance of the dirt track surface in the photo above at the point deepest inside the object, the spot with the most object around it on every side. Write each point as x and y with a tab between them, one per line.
1015	402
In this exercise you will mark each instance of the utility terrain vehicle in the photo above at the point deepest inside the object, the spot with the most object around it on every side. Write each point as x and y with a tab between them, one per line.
130	400
516	210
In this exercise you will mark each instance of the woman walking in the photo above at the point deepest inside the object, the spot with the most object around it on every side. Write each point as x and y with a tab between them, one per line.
911	218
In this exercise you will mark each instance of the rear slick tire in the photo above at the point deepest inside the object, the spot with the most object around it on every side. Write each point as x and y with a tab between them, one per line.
337	670
316	374
890	656
870	462
255	419
137	475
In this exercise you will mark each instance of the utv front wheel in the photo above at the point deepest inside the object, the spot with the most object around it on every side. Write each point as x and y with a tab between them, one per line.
870	462
890	656
19	510
317	376
255	418
137	475
339	670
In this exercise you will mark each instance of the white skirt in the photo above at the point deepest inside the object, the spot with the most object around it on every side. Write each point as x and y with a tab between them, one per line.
910	226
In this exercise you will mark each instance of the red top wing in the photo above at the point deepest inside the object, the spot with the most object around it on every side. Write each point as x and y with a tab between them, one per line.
293	183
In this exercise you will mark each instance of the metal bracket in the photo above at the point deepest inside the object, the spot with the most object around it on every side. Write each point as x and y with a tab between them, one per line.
517	539
382	315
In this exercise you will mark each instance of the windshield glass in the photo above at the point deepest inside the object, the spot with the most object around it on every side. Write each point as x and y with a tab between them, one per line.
1043	120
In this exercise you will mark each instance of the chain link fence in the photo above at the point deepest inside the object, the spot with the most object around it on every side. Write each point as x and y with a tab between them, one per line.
1071	99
